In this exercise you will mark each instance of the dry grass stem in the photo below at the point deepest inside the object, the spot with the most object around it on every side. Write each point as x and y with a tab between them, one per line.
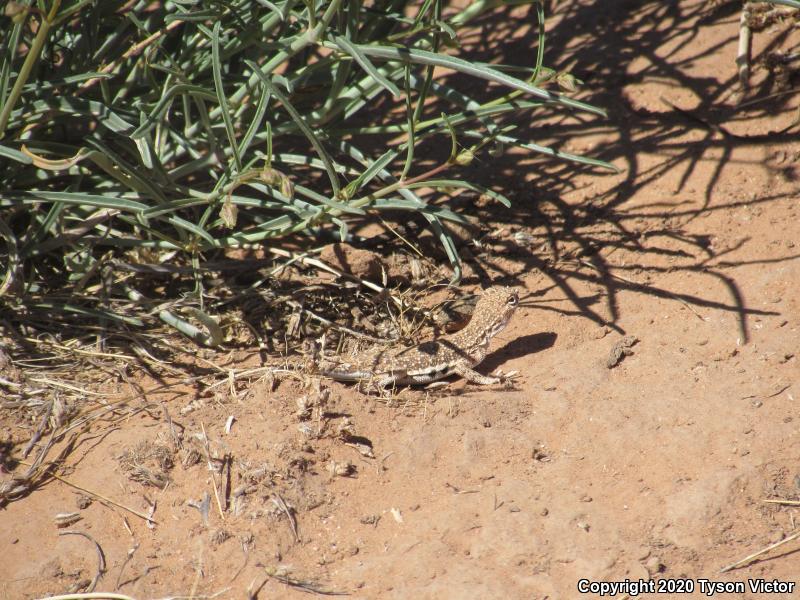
751	557
104	499
306	586
39	432
278	501
743	51
128	557
90	596
212	467
101	559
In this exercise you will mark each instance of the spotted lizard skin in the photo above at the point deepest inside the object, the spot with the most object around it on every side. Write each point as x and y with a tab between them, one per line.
430	361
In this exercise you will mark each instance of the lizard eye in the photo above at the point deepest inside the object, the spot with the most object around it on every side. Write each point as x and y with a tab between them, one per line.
513	300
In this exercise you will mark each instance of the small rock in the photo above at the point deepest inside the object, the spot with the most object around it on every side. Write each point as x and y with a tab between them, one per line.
654	565
776	537
218	536
602	332
540	454
341	469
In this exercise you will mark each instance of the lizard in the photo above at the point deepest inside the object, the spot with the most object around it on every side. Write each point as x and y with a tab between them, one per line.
429	361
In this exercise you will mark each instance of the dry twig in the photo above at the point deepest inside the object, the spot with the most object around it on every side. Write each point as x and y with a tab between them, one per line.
101	559
754	555
281	504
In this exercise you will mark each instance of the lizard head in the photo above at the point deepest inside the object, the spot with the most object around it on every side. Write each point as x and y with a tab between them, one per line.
495	309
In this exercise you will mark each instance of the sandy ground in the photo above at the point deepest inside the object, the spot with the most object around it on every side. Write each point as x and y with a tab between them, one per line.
655	470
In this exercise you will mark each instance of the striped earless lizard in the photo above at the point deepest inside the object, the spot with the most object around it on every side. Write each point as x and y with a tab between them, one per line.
424	363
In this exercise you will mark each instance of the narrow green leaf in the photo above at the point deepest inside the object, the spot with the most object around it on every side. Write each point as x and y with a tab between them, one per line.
273	8
58	84
302	125
546	150
78	199
221	98
462	66
421	207
12	273
166	100
449	245
255	124
370	172
129	175
55	106
341	206
458	183
540	44
54	310
183	224
14	154
351	49
211	338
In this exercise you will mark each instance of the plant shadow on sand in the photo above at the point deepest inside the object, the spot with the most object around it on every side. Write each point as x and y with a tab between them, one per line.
575	230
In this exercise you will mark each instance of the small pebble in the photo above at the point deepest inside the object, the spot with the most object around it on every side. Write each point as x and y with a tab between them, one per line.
776	537
654	565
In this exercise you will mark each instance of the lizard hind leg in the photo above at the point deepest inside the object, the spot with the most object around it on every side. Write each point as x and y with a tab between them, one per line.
384	386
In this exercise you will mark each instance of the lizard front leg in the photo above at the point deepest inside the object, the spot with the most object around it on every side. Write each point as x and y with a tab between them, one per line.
473	376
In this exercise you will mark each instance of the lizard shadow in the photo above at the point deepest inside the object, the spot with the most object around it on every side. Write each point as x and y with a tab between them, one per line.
521	346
